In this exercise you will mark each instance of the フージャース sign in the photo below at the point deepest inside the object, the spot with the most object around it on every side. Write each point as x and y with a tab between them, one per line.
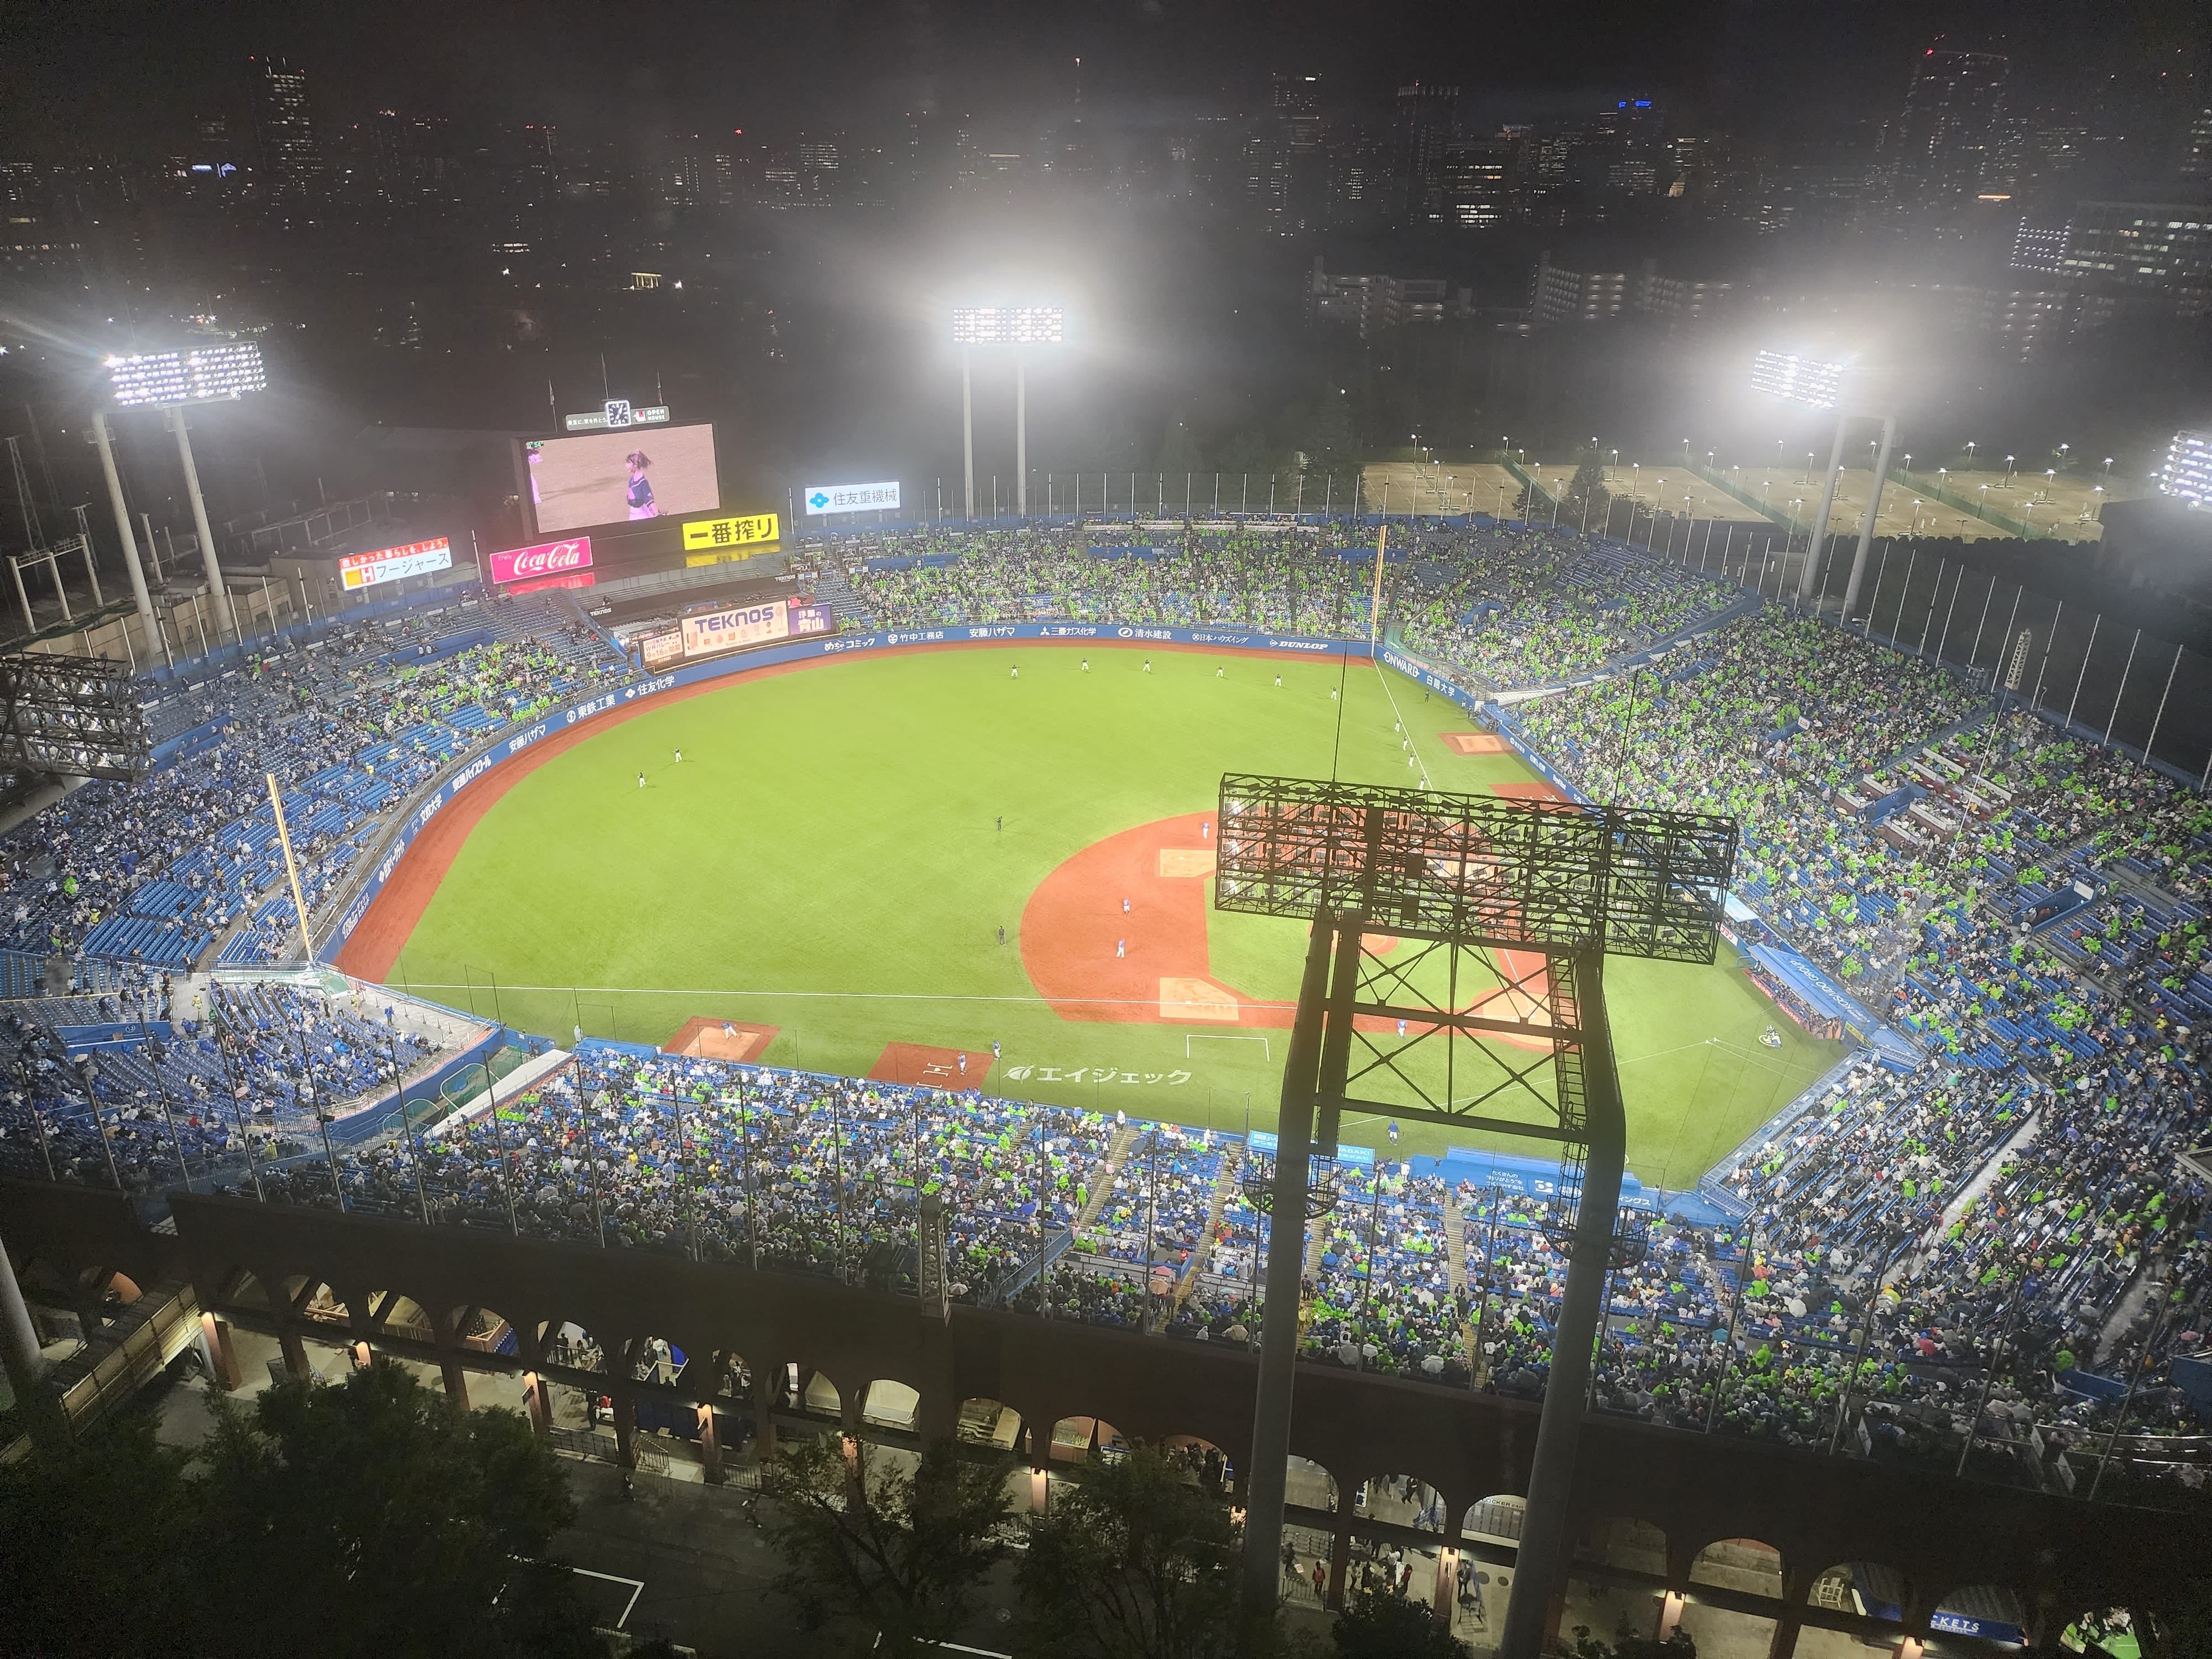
730	531
391	564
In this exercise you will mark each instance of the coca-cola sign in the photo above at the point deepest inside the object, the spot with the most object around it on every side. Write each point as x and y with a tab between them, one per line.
523	564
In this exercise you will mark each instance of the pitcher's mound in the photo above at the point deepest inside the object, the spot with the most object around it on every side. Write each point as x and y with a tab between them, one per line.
720	1039
1186	860
1474	743
933	1068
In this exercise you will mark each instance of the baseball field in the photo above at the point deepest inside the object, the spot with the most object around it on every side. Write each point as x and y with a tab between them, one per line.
822	879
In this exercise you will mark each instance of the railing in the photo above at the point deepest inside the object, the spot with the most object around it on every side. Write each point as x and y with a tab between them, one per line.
306	531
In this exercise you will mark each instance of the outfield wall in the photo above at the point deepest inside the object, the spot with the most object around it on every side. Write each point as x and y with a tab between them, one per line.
393	851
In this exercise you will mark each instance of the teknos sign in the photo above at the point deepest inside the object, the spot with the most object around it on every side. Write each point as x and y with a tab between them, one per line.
524	564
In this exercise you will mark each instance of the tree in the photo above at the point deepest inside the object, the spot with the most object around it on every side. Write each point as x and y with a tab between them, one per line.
363	1518
1378	1625
1135	1561
100	1543
1627	1644
1586	493
902	1549
366	1518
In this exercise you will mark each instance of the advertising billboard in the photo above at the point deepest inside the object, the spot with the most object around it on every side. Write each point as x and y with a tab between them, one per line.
522	564
391	564
851	498
712	632
731	531
610	477
662	649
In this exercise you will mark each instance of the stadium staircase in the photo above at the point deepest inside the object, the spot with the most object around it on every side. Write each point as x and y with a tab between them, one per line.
1102	1184
1225	1185
831	588
1456	1278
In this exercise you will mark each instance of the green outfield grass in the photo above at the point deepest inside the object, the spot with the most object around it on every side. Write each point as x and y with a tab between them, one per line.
825	861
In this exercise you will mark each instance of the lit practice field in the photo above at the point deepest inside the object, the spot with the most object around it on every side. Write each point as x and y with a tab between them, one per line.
826	866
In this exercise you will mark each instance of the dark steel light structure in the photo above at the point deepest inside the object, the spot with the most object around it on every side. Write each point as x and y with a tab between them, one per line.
1509	907
70	716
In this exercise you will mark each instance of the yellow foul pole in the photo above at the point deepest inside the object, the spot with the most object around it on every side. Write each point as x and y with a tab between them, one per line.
291	869
1375	603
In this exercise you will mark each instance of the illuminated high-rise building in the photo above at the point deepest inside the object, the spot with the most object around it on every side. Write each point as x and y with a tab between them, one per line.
291	160
1428	120
1944	148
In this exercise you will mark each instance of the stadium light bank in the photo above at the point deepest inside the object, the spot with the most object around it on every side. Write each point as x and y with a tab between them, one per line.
1020	327
1823	383
172	381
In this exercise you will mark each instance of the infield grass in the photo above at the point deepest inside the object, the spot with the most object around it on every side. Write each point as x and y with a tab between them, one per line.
827	859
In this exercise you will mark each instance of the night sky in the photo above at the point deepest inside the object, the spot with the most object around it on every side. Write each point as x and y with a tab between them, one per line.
117	77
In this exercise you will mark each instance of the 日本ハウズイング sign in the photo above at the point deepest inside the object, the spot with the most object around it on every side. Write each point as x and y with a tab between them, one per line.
731	531
391	564
547	559
851	498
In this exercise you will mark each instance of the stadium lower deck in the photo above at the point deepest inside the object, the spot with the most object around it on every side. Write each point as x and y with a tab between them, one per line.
1981	1242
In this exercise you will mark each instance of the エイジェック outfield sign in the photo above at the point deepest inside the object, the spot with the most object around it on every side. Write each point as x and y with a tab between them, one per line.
391	564
851	498
523	564
730	532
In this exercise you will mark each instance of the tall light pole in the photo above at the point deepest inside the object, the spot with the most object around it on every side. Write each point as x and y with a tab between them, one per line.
1018	327
226	624
172	381
122	511
968	430
1819	385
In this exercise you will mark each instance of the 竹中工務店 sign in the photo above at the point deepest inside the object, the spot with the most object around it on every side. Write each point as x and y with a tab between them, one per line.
851	498
730	532
391	564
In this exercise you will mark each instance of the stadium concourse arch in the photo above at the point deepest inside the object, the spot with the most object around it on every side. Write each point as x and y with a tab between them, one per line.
371	1285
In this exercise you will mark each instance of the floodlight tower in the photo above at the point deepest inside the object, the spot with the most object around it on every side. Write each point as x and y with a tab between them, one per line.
1018	326
172	381
1482	889
1818	384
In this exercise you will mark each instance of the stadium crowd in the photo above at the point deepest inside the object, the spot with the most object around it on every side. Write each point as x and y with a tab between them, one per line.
1986	1250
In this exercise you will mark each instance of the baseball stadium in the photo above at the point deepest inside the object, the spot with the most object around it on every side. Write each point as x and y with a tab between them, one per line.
876	935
